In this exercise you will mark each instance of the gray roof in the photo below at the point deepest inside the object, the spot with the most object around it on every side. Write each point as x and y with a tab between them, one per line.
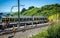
23	17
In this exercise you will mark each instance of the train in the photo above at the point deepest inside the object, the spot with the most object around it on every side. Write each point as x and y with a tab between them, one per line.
24	20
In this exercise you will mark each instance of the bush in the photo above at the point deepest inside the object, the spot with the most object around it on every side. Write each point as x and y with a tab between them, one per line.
52	32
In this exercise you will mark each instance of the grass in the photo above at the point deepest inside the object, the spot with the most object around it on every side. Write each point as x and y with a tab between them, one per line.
52	32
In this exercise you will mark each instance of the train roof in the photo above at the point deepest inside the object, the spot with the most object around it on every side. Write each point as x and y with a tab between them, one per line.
24	16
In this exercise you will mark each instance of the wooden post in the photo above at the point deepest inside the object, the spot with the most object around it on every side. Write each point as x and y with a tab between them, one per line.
36	22
14	20
32	20
9	20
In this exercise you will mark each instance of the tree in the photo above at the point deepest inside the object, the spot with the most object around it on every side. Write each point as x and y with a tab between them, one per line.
9	14
30	7
38	11
23	10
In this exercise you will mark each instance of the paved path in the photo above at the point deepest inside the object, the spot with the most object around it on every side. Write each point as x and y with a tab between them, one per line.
25	34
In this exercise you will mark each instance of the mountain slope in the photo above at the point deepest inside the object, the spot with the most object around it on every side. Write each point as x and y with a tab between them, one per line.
46	10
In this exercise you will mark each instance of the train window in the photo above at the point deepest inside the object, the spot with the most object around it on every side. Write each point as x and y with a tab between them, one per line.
38	18
16	19
41	18
24	19
45	18
34	18
12	19
30	19
21	19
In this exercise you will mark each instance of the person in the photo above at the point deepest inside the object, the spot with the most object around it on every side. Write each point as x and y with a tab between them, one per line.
3	26
7	24
14	29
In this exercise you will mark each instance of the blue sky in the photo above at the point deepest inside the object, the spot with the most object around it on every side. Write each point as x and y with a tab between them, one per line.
5	5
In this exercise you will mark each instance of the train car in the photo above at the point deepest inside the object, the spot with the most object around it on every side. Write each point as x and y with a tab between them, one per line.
28	20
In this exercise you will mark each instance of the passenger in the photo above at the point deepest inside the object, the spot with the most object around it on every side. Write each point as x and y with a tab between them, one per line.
14	29
3	26
7	24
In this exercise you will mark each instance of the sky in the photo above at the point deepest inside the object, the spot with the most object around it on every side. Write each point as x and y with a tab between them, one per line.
5	5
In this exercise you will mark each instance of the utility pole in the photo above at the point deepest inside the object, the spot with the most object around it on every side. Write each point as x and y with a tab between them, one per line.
12	8
32	20
19	12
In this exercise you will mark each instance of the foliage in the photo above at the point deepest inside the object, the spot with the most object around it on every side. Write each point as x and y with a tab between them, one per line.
55	16
30	7
52	32
30	12
46	10
40	35
23	10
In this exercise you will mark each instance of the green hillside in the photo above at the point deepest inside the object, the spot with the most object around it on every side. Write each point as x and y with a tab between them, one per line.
46	10
30	12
